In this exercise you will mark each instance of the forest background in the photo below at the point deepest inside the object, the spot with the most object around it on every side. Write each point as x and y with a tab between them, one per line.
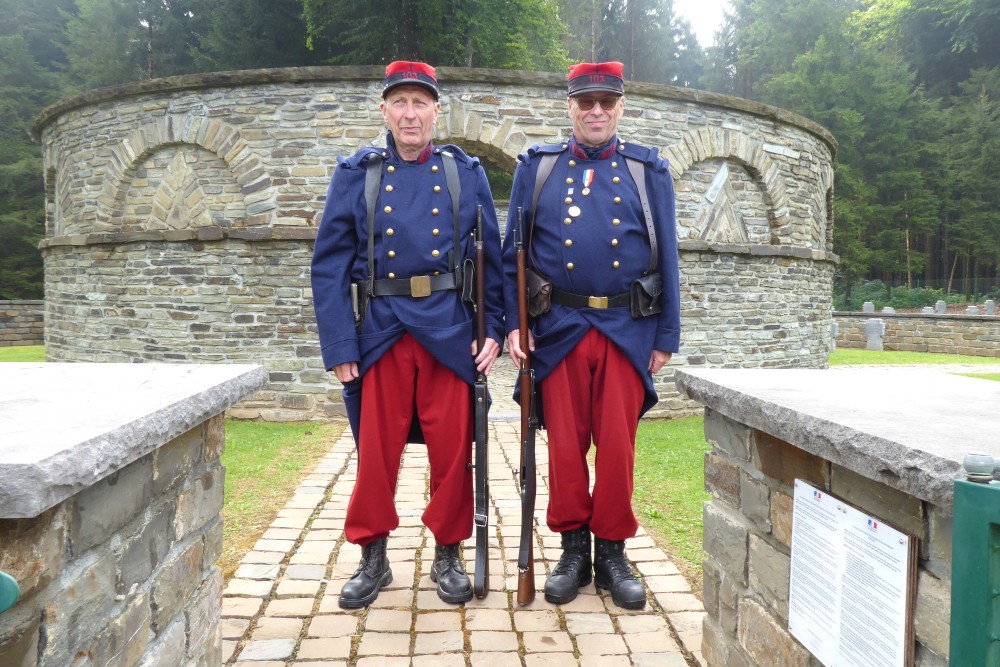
910	89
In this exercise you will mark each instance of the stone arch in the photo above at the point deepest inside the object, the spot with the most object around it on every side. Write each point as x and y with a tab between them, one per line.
210	134
499	139
708	143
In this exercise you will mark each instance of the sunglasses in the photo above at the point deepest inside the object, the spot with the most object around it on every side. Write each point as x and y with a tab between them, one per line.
587	103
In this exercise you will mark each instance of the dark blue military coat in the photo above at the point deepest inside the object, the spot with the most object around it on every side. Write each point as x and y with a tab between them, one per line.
413	234
590	238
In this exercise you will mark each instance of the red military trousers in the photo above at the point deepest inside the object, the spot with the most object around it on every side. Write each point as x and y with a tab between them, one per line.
404	379
594	393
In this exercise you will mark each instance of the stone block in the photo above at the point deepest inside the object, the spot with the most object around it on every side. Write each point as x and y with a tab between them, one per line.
932	617
108	505
202	614
174	582
199	502
725	540
786	463
79	608
141	553
126	637
755	502
896	508
19	643
722	479
769	571
711	579
766	640
169	647
729	436
781	517
33	550
940	526
213	540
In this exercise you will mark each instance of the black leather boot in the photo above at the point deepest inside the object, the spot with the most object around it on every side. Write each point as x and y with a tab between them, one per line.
612	572
372	576
573	569
449	574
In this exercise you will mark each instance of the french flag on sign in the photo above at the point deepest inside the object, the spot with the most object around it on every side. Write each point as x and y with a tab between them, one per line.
873	524
817	495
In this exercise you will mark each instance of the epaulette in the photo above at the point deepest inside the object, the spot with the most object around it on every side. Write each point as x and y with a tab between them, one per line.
359	159
460	156
545	149
648	155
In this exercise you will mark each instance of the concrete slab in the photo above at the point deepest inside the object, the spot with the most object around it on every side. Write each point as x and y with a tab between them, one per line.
64	427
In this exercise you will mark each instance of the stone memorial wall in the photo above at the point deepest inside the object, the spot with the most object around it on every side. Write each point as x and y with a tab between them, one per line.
181	213
974	335
888	442
109	515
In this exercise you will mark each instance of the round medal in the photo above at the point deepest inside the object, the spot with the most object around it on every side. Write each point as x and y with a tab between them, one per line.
574	211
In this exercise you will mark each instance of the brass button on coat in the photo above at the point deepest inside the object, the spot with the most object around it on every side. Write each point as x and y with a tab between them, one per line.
390	231
388	209
435	232
437	188
434	168
435	253
568	243
390	169
392	253
616	264
618	200
388	188
616	222
392	276
434	211
569	266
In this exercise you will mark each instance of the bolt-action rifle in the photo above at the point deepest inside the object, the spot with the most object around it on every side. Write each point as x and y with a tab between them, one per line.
481	582
529	423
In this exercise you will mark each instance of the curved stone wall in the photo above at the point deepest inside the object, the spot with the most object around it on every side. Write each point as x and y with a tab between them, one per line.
180	215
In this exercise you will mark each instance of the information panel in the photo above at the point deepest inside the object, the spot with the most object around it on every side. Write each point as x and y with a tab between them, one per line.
851	585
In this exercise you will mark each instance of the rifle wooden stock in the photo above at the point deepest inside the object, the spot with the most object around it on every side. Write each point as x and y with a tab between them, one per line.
481	581
526	379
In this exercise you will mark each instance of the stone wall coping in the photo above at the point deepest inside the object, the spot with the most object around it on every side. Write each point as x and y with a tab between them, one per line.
916	316
374	74
906	428
67	426
279	233
22	302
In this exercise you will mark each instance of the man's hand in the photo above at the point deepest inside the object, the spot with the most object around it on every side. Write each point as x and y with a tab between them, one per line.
658	360
517	355
346	372
485	359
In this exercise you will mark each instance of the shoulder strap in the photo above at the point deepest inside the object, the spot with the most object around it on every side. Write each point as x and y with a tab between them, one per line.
545	166
455	190
638	171
373	179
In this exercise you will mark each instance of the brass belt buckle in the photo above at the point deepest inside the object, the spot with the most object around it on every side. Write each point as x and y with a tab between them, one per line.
420	286
597	302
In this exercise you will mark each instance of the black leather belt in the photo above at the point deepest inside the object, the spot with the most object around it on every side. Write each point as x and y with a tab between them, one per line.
581	301
416	286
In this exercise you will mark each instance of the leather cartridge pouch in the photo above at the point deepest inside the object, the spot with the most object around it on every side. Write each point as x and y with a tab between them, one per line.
646	295
468	286
539	293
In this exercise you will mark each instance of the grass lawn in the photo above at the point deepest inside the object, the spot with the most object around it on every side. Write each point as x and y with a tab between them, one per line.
264	463
845	357
670	489
23	353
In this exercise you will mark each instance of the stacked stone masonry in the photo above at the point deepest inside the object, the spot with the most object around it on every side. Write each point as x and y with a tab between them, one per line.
22	323
873	438
109	573
110	511
974	335
181	214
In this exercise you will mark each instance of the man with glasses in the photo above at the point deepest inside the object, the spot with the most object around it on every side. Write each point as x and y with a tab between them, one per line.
598	218
387	279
